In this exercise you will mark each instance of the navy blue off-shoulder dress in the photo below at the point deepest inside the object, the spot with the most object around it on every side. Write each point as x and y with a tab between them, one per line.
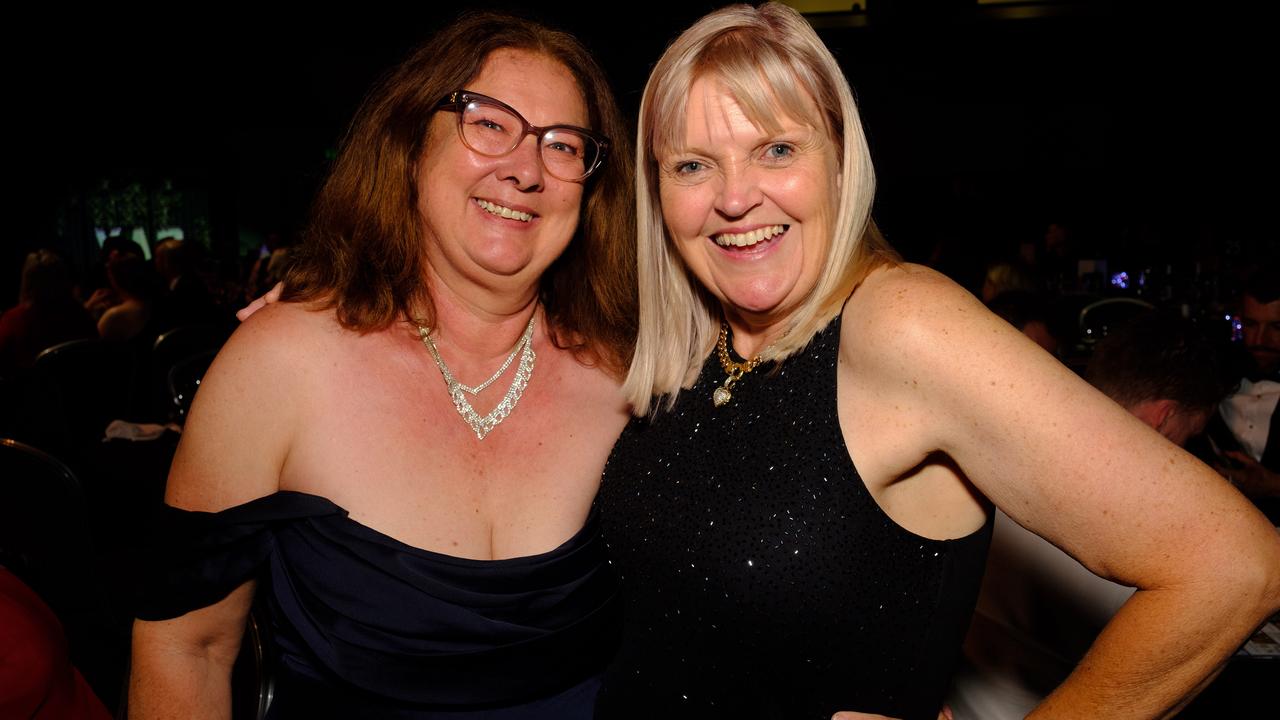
368	626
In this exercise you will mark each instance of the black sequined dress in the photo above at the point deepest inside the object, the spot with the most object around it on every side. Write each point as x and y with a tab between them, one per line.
759	577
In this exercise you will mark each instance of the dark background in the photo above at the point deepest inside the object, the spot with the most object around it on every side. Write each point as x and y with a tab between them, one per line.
1136	127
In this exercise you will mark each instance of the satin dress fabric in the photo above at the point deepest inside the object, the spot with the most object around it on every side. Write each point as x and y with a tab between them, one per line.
368	626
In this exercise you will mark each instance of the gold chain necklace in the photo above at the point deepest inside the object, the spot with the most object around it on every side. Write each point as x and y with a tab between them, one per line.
735	369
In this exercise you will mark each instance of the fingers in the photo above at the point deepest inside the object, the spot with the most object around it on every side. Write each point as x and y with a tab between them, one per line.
273	295
943	714
243	313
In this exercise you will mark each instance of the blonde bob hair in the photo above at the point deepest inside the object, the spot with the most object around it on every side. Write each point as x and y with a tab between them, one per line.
773	64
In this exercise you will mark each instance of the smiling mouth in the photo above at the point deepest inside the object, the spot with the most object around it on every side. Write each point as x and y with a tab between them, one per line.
503	211
752	237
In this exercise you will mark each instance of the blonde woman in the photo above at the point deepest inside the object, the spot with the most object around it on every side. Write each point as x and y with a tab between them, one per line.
799	522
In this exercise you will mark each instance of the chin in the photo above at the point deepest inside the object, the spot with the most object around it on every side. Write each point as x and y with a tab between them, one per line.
761	296
754	303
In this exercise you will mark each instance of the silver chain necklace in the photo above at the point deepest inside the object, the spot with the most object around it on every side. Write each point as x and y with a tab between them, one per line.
482	425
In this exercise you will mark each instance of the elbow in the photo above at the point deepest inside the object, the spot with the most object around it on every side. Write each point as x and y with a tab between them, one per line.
1272	591
1259	580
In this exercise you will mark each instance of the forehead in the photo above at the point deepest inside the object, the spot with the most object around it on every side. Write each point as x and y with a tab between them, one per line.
538	86
1261	312
717	110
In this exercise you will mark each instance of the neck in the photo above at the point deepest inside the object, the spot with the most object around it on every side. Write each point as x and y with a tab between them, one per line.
752	333
478	325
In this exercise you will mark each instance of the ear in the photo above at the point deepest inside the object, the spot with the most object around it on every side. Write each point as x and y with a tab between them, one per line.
1155	413
1165	410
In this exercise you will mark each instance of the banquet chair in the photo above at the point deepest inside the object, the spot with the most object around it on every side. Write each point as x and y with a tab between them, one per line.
42	511
252	680
183	380
91	382
45	540
170	349
1099	318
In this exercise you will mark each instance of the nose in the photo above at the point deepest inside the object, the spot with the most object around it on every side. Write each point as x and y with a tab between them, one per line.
739	192
523	166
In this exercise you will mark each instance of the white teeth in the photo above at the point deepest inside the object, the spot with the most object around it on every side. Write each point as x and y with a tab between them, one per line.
505	212
749	238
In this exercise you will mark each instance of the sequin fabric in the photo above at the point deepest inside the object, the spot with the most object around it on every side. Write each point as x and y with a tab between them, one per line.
760	578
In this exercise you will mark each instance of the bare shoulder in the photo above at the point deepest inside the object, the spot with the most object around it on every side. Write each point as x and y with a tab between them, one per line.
243	418
906	318
282	328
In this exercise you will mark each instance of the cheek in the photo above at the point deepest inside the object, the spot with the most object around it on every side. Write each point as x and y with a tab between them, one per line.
571	207
683	210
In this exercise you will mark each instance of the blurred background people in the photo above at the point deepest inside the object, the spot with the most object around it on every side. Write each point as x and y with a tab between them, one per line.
1031	314
47	313
1003	277
130	305
1246	433
184	297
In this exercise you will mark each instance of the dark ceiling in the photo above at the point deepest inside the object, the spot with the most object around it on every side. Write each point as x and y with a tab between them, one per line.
985	123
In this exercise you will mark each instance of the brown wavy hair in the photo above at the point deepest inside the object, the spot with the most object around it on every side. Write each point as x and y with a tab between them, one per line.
362	253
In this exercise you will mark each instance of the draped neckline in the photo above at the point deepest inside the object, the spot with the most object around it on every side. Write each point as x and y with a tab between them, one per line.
366	532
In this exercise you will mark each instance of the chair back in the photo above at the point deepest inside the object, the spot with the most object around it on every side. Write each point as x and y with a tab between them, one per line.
44	534
170	349
91	382
1099	318
183	381
252	677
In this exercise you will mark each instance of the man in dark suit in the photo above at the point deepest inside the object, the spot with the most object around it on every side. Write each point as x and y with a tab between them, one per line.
1252	413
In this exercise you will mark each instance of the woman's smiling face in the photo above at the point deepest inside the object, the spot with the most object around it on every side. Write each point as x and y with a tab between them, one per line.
750	211
489	218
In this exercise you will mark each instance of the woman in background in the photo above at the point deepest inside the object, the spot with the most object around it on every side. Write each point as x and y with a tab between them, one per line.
47	313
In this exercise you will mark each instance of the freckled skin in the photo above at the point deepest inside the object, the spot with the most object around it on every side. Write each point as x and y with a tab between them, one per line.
1064	461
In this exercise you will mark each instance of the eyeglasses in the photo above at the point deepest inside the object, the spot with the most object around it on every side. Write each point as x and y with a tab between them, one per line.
493	128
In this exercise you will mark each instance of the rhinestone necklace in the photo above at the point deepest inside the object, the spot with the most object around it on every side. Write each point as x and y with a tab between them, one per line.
735	370
482	425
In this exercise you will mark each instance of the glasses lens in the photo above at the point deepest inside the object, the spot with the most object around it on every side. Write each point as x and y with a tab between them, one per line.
489	129
568	154
492	130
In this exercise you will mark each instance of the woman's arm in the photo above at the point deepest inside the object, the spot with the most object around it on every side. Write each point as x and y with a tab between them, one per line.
181	668
233	449
1069	464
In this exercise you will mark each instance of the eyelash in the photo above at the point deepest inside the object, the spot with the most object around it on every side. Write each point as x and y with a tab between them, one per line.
791	151
689	167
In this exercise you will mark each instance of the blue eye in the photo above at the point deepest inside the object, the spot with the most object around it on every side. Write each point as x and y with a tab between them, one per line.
686	168
779	151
